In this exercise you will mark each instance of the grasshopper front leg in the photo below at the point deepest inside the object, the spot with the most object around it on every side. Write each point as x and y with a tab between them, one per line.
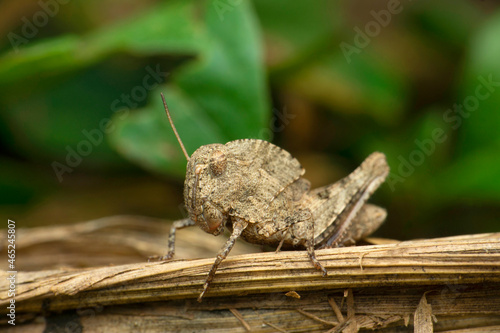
180	224
238	226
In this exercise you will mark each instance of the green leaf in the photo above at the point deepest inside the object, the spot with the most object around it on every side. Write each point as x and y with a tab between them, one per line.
146	138
474	177
47	124
475	172
218	97
67	85
365	86
170	27
480	91
311	61
286	28
414	153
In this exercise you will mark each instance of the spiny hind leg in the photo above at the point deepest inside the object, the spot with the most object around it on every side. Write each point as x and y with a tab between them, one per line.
366	221
238	226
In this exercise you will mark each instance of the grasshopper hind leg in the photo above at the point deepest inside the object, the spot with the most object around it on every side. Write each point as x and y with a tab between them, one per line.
367	220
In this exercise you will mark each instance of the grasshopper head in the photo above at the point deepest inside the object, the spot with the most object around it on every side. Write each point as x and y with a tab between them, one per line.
205	172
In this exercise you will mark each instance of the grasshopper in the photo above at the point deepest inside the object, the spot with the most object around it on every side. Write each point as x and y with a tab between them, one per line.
256	190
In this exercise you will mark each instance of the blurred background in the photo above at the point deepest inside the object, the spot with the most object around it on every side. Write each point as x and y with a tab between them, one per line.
84	135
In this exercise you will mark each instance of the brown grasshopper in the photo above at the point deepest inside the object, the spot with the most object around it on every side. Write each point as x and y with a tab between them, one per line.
255	189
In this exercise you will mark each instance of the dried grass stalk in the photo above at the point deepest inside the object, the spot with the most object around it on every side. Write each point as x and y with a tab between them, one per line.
460	276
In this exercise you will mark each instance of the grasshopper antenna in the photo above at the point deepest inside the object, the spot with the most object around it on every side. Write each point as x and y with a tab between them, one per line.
173	127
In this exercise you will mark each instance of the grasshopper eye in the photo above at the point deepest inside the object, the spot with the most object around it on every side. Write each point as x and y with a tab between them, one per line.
218	163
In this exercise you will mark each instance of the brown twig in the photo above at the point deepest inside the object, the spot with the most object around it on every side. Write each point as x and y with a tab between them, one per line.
238	316
318	319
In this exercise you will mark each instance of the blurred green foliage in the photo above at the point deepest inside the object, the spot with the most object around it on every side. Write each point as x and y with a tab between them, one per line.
370	76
